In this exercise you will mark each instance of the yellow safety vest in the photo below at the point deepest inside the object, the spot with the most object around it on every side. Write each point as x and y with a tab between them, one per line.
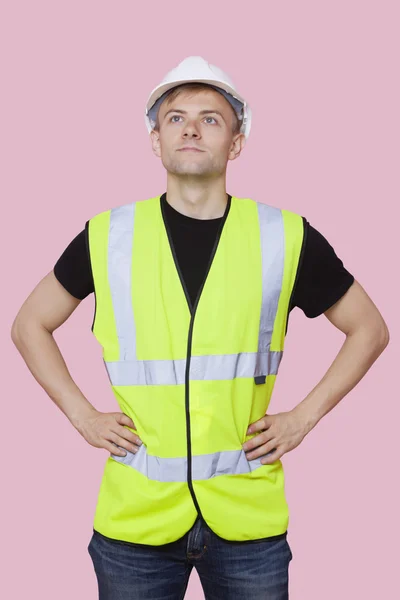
192	380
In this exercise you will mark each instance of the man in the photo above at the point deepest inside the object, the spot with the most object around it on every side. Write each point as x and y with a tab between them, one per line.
193	292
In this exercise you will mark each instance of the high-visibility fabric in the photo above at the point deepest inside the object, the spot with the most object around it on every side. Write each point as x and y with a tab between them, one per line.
192	382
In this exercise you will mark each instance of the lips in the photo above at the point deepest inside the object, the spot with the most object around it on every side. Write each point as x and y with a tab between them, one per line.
189	148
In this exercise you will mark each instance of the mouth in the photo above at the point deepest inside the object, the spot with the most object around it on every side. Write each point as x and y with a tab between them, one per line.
189	149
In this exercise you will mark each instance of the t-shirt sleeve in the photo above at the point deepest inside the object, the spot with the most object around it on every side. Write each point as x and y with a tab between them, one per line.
73	268
322	278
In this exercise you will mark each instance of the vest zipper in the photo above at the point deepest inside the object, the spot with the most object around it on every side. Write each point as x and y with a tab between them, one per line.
190	335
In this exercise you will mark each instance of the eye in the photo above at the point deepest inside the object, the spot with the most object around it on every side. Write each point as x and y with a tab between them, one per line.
211	118
173	117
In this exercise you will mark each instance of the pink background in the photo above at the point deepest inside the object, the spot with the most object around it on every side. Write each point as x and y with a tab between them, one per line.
322	79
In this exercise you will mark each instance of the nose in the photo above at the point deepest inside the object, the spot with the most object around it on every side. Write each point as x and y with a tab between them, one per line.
191	130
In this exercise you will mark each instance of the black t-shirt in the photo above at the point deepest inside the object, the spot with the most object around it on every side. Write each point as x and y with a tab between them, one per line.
321	278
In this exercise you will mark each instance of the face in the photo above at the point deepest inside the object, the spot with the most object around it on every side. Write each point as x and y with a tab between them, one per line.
195	135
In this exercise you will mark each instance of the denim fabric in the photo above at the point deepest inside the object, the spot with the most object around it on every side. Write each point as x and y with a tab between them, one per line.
256	570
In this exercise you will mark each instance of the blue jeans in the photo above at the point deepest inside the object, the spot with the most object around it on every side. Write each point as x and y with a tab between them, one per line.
227	570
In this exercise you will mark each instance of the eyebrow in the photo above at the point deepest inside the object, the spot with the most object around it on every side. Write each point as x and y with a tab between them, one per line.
202	112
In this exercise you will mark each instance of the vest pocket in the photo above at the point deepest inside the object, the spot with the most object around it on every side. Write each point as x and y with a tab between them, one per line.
259	379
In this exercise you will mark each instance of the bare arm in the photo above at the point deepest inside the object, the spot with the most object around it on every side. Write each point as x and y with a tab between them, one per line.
367	336
47	307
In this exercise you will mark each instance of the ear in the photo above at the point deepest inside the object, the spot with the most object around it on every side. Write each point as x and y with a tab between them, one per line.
238	143
155	142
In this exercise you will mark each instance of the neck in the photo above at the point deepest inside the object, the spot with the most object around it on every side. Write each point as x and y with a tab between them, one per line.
198	199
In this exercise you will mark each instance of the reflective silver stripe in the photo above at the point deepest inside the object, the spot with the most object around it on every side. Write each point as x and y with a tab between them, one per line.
206	368
120	243
272	255
130	371
204	466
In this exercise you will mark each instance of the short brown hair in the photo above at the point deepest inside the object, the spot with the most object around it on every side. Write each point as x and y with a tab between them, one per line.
196	87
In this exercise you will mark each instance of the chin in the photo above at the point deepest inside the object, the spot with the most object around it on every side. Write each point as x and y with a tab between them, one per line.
199	172
187	169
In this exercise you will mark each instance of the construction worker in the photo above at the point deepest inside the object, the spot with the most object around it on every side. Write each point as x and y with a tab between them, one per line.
193	292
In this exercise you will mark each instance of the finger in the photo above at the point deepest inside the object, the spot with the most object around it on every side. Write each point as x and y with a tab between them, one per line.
272	457
262	450
264	423
123	419
257	440
120	441
113	449
127	434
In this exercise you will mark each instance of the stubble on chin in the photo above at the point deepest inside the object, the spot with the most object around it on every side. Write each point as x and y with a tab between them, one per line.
180	167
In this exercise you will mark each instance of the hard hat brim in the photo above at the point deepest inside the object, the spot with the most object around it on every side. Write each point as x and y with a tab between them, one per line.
160	90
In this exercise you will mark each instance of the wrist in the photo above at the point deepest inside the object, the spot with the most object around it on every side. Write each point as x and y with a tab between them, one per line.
81	412
307	418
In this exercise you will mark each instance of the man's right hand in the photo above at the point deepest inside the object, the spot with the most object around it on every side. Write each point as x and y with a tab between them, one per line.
106	430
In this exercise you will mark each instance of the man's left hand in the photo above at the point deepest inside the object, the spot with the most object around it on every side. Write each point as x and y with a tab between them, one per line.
280	433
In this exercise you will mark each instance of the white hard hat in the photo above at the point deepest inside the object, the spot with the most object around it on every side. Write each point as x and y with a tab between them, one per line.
196	69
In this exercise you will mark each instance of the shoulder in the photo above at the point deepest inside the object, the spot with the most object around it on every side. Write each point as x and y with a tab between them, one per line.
72	268
267	212
120	212
322	278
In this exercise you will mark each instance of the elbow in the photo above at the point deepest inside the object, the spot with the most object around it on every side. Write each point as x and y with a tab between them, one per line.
385	336
382	335
374	334
379	336
15	329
